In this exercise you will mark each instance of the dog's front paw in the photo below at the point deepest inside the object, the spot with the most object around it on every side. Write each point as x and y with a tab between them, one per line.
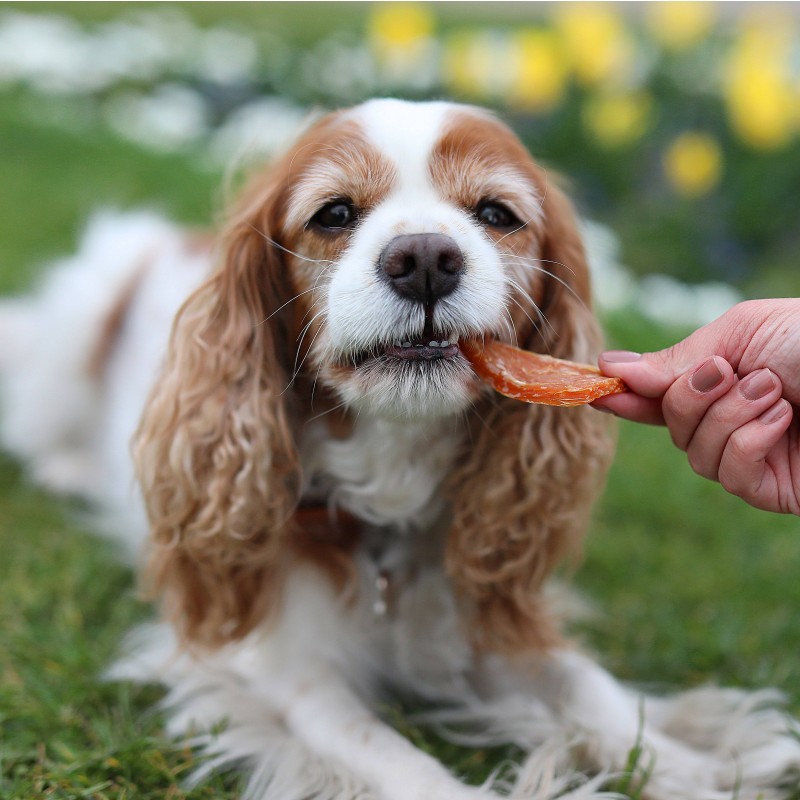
753	747
672	771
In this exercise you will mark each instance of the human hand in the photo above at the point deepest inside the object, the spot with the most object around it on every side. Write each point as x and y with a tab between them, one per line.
729	395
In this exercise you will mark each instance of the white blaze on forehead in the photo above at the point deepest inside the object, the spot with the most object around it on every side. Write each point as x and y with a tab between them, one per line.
405	133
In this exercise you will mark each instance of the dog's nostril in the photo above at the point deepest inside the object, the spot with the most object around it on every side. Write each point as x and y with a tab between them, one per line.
450	262
422	266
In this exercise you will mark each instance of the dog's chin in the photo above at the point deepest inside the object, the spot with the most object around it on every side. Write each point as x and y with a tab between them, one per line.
402	384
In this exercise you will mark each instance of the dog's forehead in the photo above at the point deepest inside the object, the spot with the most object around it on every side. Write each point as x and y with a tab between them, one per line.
449	149
406	133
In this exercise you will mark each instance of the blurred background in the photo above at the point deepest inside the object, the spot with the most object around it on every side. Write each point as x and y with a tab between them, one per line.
676	127
676	124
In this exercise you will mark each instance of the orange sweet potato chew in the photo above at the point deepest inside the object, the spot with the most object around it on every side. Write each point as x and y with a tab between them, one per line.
536	378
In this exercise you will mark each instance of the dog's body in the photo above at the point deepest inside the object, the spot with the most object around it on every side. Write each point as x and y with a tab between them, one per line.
337	506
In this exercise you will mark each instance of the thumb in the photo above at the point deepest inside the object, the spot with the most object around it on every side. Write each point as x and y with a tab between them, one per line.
651	374
647	374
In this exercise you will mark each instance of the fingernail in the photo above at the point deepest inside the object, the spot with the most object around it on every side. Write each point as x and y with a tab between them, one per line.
778	411
620	356
707	376
757	384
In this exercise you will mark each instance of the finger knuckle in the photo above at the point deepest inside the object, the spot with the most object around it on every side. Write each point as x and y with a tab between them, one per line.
679	438
732	475
700	464
738	446
730	482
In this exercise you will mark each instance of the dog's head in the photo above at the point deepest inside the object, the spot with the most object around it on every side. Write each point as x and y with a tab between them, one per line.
352	269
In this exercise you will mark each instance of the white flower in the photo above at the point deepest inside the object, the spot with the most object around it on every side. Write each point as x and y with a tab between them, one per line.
257	131
168	119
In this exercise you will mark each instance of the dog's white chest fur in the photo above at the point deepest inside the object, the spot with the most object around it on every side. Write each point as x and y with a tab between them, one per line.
386	472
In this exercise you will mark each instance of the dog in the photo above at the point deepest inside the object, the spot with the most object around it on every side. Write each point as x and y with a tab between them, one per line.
332	506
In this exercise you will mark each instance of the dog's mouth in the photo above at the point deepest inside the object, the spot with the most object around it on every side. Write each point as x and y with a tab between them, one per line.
429	346
423	349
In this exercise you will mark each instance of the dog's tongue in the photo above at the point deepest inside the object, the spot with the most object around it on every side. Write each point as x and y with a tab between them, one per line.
536	378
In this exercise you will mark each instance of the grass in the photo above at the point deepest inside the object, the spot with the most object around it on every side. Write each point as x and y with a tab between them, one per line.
57	174
695	585
691	585
65	604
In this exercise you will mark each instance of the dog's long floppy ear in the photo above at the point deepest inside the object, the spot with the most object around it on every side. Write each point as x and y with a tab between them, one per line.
522	496
215	452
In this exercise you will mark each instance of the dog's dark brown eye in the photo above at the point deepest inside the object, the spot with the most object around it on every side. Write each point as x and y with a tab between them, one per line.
496	215
336	215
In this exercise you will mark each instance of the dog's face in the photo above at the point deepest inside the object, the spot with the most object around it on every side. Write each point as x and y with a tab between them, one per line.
412	227
358	262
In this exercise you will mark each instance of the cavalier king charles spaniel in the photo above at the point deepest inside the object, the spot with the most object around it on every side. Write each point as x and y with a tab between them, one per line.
337	507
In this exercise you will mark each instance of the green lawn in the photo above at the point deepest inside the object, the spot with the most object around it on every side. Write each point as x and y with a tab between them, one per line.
691	586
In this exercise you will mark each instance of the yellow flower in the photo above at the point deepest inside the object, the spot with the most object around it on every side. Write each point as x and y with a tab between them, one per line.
456	68
599	46
693	164
468	60
761	107
399	26
760	98
538	71
616	120
678	25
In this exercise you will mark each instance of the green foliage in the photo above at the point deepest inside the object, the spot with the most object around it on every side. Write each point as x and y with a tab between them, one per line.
65	606
58	174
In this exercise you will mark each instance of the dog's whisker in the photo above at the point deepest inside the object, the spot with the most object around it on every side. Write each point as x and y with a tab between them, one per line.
533	264
530	219
312	307
284	305
286	250
291	300
317	373
299	367
520	227
315	300
508	323
331	410
540	314
534	260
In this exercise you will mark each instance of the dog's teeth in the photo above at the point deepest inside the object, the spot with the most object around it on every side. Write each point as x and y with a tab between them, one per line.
433	343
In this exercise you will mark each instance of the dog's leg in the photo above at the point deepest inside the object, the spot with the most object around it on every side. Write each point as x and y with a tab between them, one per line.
606	721
612	721
299	705
328	717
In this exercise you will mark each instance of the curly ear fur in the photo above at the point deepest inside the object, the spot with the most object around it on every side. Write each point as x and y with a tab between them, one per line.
215	452
523	495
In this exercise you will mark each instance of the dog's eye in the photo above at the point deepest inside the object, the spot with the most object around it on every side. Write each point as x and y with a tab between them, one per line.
335	215
496	215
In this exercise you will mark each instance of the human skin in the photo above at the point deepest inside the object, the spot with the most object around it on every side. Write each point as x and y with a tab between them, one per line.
730	396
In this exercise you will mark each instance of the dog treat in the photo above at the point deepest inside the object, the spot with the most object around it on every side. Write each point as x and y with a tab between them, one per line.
536	378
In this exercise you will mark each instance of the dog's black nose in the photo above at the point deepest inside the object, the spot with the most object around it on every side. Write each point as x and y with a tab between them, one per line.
422	266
